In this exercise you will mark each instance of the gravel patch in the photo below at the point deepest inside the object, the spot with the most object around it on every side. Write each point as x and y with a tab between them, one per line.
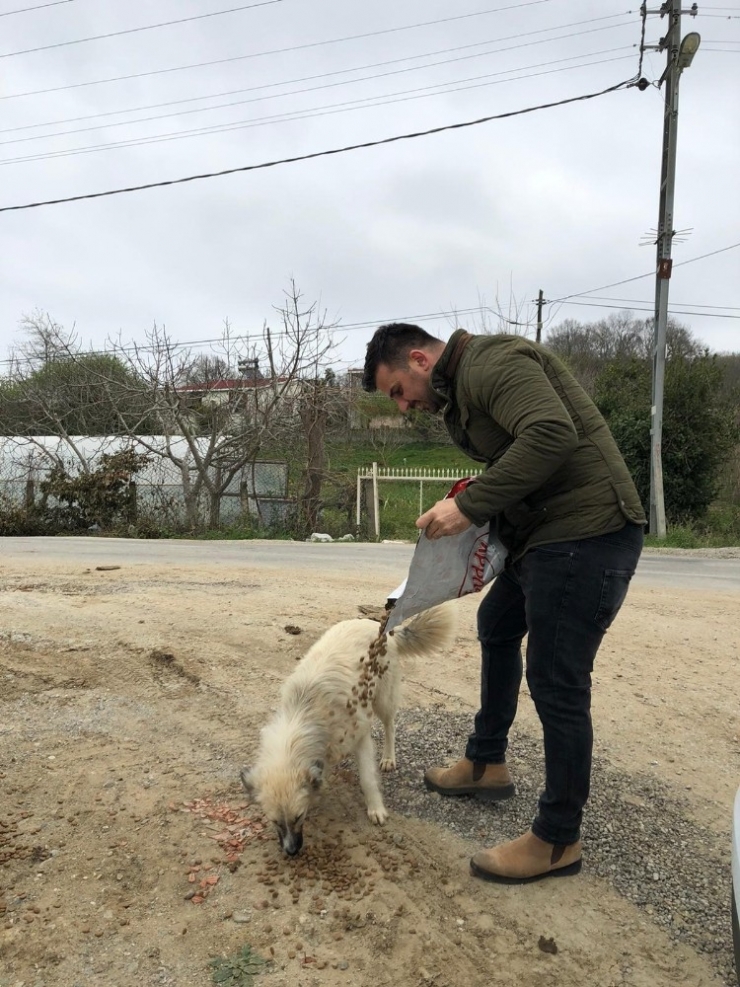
638	833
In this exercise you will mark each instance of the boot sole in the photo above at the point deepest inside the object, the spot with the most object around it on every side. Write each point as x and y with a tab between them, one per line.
500	794
569	871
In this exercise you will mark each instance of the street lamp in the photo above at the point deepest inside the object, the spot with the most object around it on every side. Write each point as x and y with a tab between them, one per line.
689	47
679	58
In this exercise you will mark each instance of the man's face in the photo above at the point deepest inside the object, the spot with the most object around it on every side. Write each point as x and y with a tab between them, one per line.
409	386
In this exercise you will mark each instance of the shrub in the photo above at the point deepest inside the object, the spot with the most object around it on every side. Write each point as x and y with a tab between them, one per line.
17	520
96	498
699	429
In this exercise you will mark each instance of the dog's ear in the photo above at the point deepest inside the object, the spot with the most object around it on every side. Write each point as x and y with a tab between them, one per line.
247	776
316	774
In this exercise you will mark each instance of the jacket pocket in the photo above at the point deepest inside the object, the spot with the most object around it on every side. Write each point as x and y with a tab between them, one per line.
628	501
614	588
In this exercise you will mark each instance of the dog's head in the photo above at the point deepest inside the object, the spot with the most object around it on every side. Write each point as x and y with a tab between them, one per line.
285	795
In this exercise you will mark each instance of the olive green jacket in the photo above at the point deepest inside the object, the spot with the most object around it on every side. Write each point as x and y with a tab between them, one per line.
554	470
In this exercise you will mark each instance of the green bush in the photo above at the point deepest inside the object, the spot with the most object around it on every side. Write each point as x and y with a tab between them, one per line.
699	429
100	498
721	524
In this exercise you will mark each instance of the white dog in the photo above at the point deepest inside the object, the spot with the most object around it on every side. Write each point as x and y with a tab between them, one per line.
326	713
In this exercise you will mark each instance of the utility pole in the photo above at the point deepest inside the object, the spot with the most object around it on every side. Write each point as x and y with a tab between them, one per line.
540	303
678	57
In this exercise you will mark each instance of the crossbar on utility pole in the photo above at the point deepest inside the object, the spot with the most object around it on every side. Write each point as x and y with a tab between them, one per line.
672	43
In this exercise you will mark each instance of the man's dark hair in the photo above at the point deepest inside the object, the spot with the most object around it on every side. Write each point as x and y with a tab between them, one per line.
391	345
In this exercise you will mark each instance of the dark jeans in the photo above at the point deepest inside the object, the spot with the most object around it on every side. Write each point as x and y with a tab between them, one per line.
565	596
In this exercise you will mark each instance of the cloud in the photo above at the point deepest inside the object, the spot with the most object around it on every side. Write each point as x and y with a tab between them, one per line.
556	200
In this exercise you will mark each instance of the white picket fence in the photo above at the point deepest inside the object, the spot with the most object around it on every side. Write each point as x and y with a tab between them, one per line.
370	478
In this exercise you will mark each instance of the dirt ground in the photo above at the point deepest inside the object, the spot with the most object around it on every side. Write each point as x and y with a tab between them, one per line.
129	698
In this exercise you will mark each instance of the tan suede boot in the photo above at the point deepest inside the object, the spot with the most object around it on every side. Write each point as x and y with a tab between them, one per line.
526	859
490	782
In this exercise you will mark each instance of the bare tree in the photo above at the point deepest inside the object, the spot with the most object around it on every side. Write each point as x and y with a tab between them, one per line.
209	416
211	430
54	388
46	341
313	411
512	316
587	347
320	404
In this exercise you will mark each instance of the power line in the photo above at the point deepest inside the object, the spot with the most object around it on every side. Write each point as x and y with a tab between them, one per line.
445	87
325	75
643	28
640	277
136	30
713	253
345	106
321	154
367	323
39	6
261	3
602	287
671	311
310	44
643	301
238	338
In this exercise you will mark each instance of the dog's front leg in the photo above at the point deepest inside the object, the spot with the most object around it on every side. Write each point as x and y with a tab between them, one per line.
369	784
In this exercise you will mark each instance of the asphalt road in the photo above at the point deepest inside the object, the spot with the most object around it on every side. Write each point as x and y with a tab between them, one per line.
666	571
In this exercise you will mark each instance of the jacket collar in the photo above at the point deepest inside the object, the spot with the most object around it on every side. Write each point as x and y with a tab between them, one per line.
446	367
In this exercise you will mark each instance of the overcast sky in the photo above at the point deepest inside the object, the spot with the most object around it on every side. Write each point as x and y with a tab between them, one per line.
559	199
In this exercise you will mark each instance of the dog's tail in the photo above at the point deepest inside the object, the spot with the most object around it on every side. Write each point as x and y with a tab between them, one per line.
431	630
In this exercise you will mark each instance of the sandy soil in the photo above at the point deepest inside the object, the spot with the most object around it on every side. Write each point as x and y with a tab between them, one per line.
130	697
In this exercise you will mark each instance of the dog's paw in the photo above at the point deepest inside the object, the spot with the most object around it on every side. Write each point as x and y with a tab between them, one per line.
378	816
387	764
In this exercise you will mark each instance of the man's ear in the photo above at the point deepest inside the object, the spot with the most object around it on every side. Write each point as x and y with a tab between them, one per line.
419	359
247	776
316	774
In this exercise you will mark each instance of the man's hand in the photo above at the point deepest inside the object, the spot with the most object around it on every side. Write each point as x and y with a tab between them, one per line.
445	518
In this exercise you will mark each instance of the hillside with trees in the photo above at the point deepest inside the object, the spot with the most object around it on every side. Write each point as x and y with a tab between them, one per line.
275	396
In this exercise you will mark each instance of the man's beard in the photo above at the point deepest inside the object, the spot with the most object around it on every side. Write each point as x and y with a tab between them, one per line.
431	403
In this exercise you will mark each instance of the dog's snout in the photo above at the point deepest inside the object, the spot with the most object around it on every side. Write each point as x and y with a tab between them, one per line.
292	843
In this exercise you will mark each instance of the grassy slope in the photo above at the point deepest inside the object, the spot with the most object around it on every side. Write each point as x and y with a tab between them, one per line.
400	504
